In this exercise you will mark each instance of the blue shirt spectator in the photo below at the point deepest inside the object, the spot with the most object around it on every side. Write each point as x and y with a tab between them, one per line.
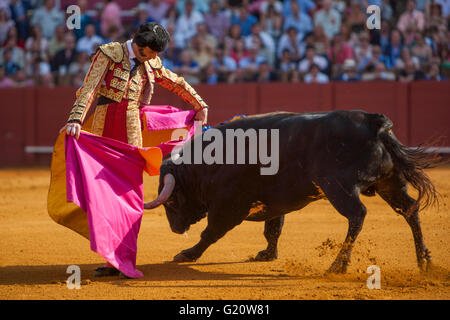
245	21
305	6
298	20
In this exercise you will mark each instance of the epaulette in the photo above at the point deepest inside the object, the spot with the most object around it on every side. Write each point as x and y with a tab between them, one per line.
113	50
155	63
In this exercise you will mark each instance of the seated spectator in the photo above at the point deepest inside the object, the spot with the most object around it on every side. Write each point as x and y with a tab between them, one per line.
349	72
272	23
421	50
410	73
378	72
223	64
239	51
339	52
320	41
411	19
142	17
112	35
5	81
8	63
445	5
171	55
315	76
198	5
265	38
216	21
395	46
287	66
404	59
210	74
187	68
110	17
5	25
205	36
18	54
434	73
267	5
171	17
200	51
186	25
37	40
306	6
21	80
80	65
157	9
57	42
245	20
298	20
263	51
234	35
363	49
265	73
90	41
250	64
63	58
47	17
436	18
355	17
312	58
19	10
291	41
376	58
328	18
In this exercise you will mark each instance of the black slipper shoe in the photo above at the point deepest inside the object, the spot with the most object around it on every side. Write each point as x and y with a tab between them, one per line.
106	272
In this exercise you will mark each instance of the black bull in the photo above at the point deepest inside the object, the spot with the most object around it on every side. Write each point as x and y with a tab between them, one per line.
335	155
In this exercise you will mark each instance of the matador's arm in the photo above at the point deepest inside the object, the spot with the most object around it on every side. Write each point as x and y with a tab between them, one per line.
178	85
87	92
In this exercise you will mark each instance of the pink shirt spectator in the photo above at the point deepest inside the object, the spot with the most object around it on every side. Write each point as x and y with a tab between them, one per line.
6	83
414	19
111	17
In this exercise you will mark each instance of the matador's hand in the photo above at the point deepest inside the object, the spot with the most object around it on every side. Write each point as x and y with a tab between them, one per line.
72	129
202	116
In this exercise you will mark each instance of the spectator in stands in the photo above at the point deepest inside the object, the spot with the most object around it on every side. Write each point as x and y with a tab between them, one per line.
21	80
395	46
363	49
306	6
298	20
445	5
57	42
412	19
272	23
287	66
171	55
405	58
110	17
371	61
291	41
171	17
410	73
339	52
264	37
5	25
265	73
434	73
421	50
206	37
5	81
378	72
200	51
349	72
157	9
267	5
239	51
18	54
8	63
187	68
48	18
90	42
328	18
355	17
245	20
216	21
198	5
80	66
141	16
250	64
315	76
85	19
18	9
234	35
63	58
37	40
320	41
210	74
186	25
312	58
224	65
436	17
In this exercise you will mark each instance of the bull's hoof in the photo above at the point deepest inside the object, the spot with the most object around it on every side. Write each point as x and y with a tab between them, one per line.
183	257
266	255
338	266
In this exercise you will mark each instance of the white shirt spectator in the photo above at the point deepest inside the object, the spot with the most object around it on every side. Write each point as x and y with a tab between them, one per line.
285	43
445	4
186	26
87	44
320	78
330	21
47	20
304	65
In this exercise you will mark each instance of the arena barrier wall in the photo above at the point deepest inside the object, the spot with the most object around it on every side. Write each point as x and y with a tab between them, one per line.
32	117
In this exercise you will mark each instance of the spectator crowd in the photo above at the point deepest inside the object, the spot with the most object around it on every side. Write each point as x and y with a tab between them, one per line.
233	41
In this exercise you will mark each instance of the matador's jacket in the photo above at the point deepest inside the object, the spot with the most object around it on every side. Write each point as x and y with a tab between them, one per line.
120	93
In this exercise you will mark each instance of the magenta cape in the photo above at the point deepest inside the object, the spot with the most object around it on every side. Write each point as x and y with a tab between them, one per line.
96	186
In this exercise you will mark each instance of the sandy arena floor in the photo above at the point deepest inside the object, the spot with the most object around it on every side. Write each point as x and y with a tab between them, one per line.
35	253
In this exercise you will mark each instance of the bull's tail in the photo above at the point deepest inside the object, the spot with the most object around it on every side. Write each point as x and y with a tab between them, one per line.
411	162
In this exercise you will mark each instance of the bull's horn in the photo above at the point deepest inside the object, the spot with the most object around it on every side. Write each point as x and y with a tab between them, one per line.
169	184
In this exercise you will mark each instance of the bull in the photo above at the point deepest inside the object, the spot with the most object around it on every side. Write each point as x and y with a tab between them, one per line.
336	155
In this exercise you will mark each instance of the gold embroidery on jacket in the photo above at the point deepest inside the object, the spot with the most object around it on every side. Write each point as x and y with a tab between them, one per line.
98	123
134	134
117	84
109	93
